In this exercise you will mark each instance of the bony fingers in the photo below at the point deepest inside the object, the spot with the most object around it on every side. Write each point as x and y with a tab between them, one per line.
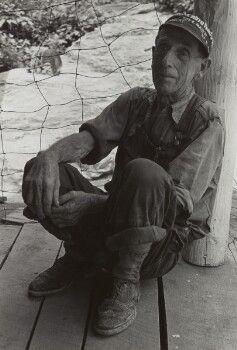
48	195
57	222
40	214
47	204
56	195
63	224
47	208
66	197
58	212
39	210
38	204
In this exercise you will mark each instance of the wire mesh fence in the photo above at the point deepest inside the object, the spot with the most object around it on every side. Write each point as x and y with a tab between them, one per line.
37	109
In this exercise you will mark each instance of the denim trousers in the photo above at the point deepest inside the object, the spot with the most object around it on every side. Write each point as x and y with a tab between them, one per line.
141	208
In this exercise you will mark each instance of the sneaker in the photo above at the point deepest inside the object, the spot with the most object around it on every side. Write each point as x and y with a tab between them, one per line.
118	310
55	279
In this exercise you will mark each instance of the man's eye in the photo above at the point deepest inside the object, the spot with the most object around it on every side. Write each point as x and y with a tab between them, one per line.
182	53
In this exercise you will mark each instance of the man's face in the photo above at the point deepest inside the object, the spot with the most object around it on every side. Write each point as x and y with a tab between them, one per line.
176	61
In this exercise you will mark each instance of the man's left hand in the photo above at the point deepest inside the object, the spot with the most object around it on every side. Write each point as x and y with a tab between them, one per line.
73	205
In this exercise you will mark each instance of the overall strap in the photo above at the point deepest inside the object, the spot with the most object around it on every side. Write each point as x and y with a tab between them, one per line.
166	153
193	106
144	111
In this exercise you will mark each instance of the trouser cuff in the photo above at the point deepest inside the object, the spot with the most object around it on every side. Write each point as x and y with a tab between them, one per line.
132	238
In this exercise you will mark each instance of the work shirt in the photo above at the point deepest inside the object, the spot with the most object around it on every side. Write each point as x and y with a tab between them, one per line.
186	139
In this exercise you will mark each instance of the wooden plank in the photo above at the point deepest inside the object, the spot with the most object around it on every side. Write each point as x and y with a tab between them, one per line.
62	319
142	334
8	234
16	217
33	252
201	307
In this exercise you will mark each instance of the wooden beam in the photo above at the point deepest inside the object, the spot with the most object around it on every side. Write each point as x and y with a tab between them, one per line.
220	85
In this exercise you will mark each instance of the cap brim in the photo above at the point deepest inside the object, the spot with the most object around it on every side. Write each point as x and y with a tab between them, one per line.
189	30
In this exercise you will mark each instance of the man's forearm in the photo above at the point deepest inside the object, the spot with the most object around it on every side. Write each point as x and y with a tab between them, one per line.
72	148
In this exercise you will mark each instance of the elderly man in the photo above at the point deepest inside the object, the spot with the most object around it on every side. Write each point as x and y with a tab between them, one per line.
170	148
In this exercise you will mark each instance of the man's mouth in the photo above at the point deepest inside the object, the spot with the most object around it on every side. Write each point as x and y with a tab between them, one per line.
167	76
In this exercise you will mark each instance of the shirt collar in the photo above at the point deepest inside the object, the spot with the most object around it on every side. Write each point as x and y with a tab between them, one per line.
179	107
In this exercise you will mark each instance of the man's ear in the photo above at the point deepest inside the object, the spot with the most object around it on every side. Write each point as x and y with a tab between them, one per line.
204	67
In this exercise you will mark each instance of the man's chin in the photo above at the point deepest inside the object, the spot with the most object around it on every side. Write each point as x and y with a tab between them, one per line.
164	89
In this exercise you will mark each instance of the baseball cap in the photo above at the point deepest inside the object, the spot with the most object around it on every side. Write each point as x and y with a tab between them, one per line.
194	26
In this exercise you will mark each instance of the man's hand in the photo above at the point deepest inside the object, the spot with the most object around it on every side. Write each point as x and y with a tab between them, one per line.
73	205
40	187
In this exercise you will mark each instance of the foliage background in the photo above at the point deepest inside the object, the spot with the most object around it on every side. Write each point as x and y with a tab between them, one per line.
176	5
20	31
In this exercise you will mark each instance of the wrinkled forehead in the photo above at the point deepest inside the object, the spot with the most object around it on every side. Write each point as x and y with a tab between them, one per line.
177	35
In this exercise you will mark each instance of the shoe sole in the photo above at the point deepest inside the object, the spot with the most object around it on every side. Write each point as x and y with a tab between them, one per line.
35	293
123	327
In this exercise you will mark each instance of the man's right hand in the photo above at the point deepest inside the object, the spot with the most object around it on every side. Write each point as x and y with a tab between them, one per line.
40	187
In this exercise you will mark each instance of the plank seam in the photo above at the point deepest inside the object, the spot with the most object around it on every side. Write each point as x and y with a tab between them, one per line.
39	310
35	324
88	319
162	316
10	249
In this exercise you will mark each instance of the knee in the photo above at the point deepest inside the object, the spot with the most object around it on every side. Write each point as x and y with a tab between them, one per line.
29	165
146	172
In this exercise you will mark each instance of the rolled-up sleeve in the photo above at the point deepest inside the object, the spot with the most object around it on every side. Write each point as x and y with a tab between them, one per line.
107	129
195	168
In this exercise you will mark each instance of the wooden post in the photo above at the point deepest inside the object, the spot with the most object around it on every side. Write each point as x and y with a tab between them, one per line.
220	85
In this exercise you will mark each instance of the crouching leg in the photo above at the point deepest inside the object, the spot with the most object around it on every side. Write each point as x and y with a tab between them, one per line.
78	240
140	215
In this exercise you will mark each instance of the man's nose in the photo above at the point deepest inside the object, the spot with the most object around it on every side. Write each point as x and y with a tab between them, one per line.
168	58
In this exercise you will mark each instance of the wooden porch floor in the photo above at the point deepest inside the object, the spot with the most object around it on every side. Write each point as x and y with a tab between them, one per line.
192	308
62	321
